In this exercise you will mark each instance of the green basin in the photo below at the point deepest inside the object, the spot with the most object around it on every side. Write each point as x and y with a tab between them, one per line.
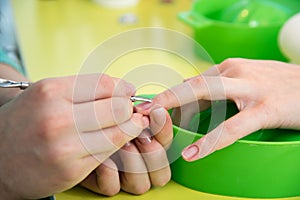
265	164
240	28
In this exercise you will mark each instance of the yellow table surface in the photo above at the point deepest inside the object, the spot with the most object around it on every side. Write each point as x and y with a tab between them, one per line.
56	36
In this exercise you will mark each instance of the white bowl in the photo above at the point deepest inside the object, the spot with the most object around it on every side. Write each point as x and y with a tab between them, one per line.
289	39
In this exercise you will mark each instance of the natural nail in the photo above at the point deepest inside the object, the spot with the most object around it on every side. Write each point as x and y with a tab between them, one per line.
144	106
127	144
190	152
145	137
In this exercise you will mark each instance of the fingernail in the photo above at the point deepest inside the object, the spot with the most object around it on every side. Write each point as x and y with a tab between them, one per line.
158	116
144	106
190	152
127	144
145	137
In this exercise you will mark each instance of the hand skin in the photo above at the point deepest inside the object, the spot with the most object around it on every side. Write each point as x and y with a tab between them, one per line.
54	135
265	92
107	178
140	163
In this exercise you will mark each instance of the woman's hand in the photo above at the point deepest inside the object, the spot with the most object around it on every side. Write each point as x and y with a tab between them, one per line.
265	92
140	163
56	132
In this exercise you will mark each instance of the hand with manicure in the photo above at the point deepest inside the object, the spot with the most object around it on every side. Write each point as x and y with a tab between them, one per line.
265	92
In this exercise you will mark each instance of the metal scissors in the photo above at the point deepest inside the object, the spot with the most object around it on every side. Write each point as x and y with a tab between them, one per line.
4	83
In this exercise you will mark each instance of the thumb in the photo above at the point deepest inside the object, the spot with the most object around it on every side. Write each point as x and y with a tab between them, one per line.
236	127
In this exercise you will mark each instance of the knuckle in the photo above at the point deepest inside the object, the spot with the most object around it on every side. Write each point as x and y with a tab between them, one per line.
233	67
197	81
230	62
46	89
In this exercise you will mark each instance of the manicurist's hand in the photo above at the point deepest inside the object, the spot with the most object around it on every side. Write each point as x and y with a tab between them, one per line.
265	92
56	132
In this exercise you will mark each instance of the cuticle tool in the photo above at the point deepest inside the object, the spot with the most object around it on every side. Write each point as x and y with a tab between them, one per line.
4	83
140	98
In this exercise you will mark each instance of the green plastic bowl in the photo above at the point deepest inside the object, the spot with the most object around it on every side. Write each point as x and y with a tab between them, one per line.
265	164
240	28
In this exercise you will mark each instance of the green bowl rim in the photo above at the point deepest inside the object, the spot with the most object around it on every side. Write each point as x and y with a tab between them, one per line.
224	24
243	141
275	24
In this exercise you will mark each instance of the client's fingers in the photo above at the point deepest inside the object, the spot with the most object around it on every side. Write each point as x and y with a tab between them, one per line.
199	88
183	115
134	176
104	179
225	134
161	126
155	158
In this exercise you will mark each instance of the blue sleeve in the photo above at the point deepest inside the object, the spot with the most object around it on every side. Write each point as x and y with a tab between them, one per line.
6	60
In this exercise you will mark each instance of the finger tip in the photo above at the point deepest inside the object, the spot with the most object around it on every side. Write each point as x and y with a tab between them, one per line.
158	113
144	108
190	153
146	121
138	120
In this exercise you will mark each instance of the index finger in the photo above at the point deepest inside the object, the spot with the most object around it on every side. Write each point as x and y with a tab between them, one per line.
90	87
199	88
